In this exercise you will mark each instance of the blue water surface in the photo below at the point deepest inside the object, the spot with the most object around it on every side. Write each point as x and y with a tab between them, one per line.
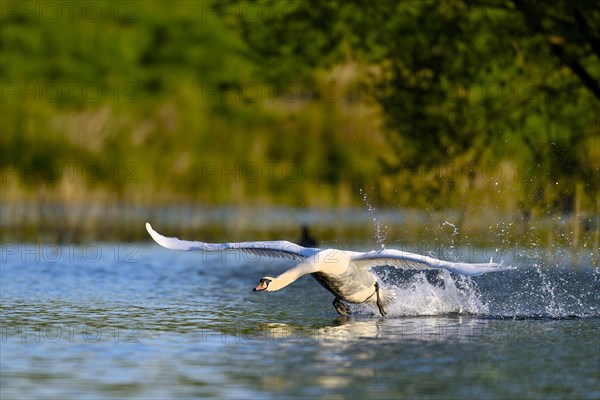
138	321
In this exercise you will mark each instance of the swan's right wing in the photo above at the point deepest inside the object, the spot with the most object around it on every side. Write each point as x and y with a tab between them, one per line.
406	260
276	249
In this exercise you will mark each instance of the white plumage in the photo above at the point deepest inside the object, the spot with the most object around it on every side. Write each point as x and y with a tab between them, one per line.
346	274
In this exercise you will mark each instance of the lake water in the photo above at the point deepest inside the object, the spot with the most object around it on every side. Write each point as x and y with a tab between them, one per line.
139	321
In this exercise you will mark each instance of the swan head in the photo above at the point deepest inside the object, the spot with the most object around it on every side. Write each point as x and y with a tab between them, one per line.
263	284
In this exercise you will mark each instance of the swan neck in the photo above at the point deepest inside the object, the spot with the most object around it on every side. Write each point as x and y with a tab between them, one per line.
329	261
291	275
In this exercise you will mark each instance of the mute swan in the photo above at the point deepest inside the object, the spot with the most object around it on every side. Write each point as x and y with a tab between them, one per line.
346	274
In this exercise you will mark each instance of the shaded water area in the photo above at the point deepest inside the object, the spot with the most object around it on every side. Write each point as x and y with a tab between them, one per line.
133	320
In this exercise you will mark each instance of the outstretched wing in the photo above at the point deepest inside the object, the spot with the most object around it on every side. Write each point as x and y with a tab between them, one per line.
276	249
406	260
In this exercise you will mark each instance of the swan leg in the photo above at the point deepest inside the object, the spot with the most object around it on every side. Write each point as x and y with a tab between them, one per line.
340	307
379	304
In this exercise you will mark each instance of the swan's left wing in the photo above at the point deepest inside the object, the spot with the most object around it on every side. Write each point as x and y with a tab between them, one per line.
406	260
276	249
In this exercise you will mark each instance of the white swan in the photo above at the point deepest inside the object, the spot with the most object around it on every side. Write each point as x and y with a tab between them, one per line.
346	274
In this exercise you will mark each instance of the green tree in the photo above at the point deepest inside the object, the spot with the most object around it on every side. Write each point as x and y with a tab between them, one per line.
460	82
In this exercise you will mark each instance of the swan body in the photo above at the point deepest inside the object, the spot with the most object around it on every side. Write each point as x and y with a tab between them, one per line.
346	274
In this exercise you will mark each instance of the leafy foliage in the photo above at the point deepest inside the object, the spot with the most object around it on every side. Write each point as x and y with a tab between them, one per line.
462	82
306	103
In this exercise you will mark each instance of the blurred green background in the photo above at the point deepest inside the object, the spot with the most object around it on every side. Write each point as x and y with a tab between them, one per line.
477	107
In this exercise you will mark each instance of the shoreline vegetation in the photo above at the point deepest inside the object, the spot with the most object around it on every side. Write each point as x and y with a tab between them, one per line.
147	109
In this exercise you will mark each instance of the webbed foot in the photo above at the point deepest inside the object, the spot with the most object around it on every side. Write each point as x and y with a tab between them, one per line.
340	307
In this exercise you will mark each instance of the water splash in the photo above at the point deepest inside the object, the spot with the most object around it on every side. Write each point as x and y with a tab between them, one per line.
546	292
451	294
454	228
451	250
549	291
542	291
380	228
429	294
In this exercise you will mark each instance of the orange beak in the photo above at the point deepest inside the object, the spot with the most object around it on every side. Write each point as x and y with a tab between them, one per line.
263	285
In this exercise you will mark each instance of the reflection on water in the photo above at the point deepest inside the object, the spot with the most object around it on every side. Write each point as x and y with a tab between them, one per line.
345	330
160	324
